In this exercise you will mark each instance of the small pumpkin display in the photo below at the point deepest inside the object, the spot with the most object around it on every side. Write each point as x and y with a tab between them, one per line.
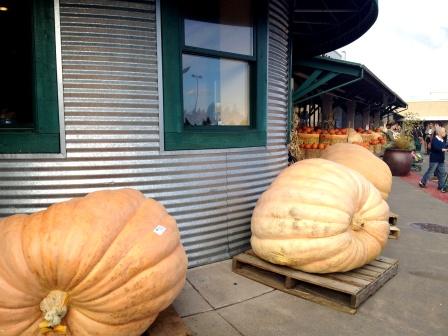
377	135
319	216
103	264
364	162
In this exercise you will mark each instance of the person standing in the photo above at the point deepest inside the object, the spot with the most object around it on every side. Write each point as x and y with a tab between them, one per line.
417	134
428	137
436	159
392	132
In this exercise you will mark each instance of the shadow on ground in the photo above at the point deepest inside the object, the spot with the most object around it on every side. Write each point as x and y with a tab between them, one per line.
217	302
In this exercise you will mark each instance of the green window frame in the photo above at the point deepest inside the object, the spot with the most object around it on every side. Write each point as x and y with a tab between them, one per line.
44	136
176	135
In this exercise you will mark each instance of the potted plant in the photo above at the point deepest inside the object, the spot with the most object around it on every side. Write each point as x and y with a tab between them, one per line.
398	152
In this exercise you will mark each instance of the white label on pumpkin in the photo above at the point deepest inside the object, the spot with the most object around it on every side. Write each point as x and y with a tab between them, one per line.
159	230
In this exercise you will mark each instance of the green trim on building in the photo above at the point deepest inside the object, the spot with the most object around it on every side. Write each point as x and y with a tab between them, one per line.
44	136
28	142
180	137
324	70
328	74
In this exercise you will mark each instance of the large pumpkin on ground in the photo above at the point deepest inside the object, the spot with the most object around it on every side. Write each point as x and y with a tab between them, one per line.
319	216
364	162
111	261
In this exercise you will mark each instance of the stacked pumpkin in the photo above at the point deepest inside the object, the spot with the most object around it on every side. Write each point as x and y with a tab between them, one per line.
333	136
325	215
104	264
309	135
313	150
374	141
314	140
377	145
371	139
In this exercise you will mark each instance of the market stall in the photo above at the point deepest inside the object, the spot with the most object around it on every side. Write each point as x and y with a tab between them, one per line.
310	142
338	101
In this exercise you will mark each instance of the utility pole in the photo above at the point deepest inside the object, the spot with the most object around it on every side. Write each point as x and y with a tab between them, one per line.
197	77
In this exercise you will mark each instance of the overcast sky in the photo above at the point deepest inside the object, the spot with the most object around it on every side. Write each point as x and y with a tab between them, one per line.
407	48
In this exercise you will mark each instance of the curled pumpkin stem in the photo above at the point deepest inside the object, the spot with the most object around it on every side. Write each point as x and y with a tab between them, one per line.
357	222
54	309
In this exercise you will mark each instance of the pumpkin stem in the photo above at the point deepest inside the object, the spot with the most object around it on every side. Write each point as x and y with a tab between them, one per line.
357	222
54	308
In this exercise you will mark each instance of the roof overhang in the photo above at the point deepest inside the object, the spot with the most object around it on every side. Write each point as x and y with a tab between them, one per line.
433	117
430	109
349	80
320	26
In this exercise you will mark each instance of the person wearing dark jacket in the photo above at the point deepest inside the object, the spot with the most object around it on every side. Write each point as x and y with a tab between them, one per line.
436	159
418	134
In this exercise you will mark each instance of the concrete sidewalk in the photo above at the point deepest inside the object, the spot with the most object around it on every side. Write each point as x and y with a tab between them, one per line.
217	302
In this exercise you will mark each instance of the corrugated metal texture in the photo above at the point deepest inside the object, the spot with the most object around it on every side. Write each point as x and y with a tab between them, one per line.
251	173
111	99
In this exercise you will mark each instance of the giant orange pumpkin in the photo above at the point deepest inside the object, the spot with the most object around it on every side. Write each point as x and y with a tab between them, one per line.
319	216
364	162
104	264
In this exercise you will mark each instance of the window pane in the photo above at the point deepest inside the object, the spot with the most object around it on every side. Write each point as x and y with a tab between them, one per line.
15	64
226	26
215	91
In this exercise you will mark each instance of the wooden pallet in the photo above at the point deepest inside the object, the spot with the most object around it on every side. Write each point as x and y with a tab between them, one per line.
393	218
394	231
168	323
341	291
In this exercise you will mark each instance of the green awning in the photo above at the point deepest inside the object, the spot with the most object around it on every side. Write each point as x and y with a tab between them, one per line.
352	81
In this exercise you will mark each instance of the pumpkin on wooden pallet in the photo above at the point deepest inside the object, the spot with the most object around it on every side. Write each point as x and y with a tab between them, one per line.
104	264
319	216
364	162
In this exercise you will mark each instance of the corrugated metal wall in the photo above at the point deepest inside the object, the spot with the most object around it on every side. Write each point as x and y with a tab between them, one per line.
110	74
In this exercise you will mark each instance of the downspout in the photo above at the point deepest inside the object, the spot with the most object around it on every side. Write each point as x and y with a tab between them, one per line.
290	85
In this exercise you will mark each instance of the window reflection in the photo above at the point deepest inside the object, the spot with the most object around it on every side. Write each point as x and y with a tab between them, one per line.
215	91
227	26
15	62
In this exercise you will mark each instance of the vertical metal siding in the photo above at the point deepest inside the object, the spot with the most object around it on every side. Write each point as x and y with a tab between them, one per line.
110	79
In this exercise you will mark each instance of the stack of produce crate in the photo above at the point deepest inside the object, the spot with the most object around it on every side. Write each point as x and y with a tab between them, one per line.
313	140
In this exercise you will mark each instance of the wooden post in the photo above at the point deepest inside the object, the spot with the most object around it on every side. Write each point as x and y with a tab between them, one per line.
366	117
327	107
351	108
377	118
